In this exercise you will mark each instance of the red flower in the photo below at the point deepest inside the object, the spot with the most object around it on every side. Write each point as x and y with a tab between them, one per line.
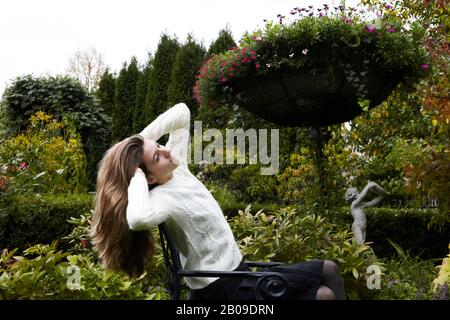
23	165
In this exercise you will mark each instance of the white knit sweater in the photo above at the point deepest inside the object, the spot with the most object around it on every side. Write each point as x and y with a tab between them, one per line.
192	215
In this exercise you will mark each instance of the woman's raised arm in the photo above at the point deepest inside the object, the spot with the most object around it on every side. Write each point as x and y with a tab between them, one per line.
176	122
177	117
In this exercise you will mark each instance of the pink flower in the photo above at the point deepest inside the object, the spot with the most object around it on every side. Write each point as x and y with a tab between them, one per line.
257	66
23	165
391	29
425	66
370	28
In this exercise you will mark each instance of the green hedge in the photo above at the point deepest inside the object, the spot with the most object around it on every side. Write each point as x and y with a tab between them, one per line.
28	220
408	227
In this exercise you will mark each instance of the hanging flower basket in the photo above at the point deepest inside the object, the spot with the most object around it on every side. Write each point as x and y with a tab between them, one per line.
324	67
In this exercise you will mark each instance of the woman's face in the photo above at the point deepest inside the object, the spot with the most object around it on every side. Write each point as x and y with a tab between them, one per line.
159	162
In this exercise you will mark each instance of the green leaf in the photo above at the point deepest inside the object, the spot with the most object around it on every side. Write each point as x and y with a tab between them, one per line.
364	104
72	259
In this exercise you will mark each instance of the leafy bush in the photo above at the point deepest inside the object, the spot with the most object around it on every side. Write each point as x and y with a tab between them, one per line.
297	183
301	183
79	239
30	219
288	236
229	203
42	272
59	97
251	186
406	277
47	158
243	183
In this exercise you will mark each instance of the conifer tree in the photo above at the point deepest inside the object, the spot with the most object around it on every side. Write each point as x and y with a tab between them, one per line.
156	101
187	62
106	91
125	100
223	42
139	116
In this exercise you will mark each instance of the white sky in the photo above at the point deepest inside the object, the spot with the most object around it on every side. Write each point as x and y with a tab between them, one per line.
40	36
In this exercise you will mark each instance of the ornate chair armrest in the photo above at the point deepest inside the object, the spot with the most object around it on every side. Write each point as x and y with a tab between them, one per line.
262	264
227	274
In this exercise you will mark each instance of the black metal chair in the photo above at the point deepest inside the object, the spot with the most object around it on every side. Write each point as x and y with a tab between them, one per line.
269	285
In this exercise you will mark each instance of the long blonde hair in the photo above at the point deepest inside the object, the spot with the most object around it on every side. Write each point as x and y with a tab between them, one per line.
120	248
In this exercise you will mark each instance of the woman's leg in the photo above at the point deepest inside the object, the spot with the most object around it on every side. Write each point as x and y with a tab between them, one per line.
325	293
331	279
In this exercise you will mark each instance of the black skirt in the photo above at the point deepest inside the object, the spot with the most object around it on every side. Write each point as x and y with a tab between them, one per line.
303	279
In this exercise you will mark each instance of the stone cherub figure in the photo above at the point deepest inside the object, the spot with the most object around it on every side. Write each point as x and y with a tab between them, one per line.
359	217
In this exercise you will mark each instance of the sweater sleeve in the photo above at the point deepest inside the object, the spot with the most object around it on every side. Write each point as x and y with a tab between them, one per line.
141	213
176	122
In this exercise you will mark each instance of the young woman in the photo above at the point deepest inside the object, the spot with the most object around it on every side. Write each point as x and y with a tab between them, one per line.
125	211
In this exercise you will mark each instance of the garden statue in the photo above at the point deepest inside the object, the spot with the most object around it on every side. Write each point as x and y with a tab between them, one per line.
359	217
